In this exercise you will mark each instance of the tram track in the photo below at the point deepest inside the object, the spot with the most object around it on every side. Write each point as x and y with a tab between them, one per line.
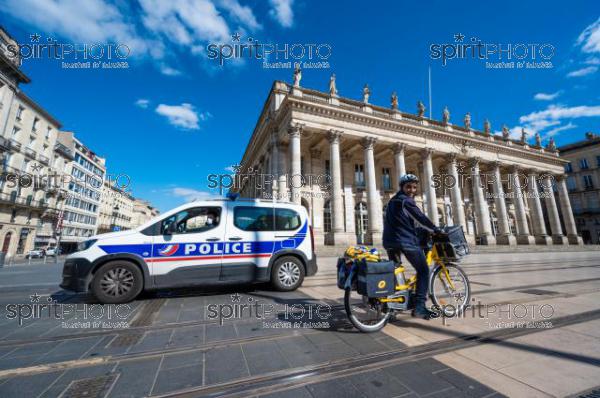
293	378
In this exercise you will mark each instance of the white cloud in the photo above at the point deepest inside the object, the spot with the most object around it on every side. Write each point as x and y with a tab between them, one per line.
168	71
589	39
552	117
592	61
142	103
240	13
558	112
554	131
282	11
588	70
91	21
152	29
183	116
190	194
546	97
185	22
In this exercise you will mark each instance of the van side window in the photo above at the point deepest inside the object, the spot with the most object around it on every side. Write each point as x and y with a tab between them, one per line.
253	218
287	220
194	220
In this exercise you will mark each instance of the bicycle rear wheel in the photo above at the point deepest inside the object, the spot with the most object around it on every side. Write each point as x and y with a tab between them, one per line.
367	315
451	299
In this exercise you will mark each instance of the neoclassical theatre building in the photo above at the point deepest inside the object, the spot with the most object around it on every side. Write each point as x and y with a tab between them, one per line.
507	191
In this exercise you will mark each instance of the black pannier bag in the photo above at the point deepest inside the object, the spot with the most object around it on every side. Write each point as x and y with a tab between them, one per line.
454	245
375	279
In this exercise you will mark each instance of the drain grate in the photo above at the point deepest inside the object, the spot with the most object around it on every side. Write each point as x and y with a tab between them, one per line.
538	292
95	387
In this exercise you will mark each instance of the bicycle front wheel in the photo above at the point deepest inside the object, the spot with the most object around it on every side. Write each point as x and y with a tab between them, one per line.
366	314
450	289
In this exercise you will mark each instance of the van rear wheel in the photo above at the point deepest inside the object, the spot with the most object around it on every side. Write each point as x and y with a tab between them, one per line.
117	282
287	274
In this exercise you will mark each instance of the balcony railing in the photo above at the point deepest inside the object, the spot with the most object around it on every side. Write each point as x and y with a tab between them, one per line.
29	152
44	159
14	144
60	148
15	200
4	143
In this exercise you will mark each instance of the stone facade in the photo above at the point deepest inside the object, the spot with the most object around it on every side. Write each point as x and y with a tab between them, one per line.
583	185
363	149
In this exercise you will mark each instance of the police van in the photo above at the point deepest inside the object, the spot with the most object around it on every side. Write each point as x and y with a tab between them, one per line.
202	242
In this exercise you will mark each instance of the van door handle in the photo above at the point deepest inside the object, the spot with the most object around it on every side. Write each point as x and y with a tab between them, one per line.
212	239
235	238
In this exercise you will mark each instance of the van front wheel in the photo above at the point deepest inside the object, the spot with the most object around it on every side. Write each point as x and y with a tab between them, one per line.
287	274
117	282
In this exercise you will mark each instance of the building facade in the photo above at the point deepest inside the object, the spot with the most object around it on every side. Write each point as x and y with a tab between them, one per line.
583	184
342	159
86	174
30	200
116	209
143	212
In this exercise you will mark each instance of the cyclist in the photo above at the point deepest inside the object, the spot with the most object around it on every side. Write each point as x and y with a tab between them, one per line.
400	236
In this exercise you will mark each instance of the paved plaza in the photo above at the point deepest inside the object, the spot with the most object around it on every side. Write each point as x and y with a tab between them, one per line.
300	344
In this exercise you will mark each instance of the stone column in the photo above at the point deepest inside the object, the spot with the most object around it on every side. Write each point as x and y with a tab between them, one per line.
274	164
535	211
458	210
373	198
399	162
567	212
557	235
432	210
282	191
337	204
504	236
318	186
296	178
523	236
484	226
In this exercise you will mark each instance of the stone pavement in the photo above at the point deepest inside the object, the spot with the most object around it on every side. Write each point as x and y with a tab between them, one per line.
172	344
507	288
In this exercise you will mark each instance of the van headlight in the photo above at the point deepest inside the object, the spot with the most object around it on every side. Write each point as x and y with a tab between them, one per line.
86	244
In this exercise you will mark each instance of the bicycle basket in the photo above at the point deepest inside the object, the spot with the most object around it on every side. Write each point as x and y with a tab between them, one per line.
453	245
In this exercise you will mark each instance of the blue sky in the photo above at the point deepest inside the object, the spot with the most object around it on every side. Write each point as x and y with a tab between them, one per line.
174	116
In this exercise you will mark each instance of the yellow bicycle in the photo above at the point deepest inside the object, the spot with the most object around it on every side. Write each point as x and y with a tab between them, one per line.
449	287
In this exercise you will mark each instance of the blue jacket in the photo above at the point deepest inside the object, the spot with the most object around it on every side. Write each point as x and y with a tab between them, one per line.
399	229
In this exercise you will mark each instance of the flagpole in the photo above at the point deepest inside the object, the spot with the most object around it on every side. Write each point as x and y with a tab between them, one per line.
430	106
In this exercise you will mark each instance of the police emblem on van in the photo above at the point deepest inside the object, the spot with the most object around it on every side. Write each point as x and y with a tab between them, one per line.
168	250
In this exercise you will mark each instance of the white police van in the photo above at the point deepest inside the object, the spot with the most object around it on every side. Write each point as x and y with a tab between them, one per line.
202	242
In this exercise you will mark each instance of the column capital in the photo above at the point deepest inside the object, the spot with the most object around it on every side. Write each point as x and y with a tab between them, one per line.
426	152
515	168
399	147
452	157
334	136
560	177
295	130
368	142
474	161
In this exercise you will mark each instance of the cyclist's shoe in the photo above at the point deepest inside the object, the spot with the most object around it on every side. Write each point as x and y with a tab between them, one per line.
424	313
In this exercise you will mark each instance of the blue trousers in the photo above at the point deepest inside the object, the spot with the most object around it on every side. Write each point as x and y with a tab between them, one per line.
416	258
